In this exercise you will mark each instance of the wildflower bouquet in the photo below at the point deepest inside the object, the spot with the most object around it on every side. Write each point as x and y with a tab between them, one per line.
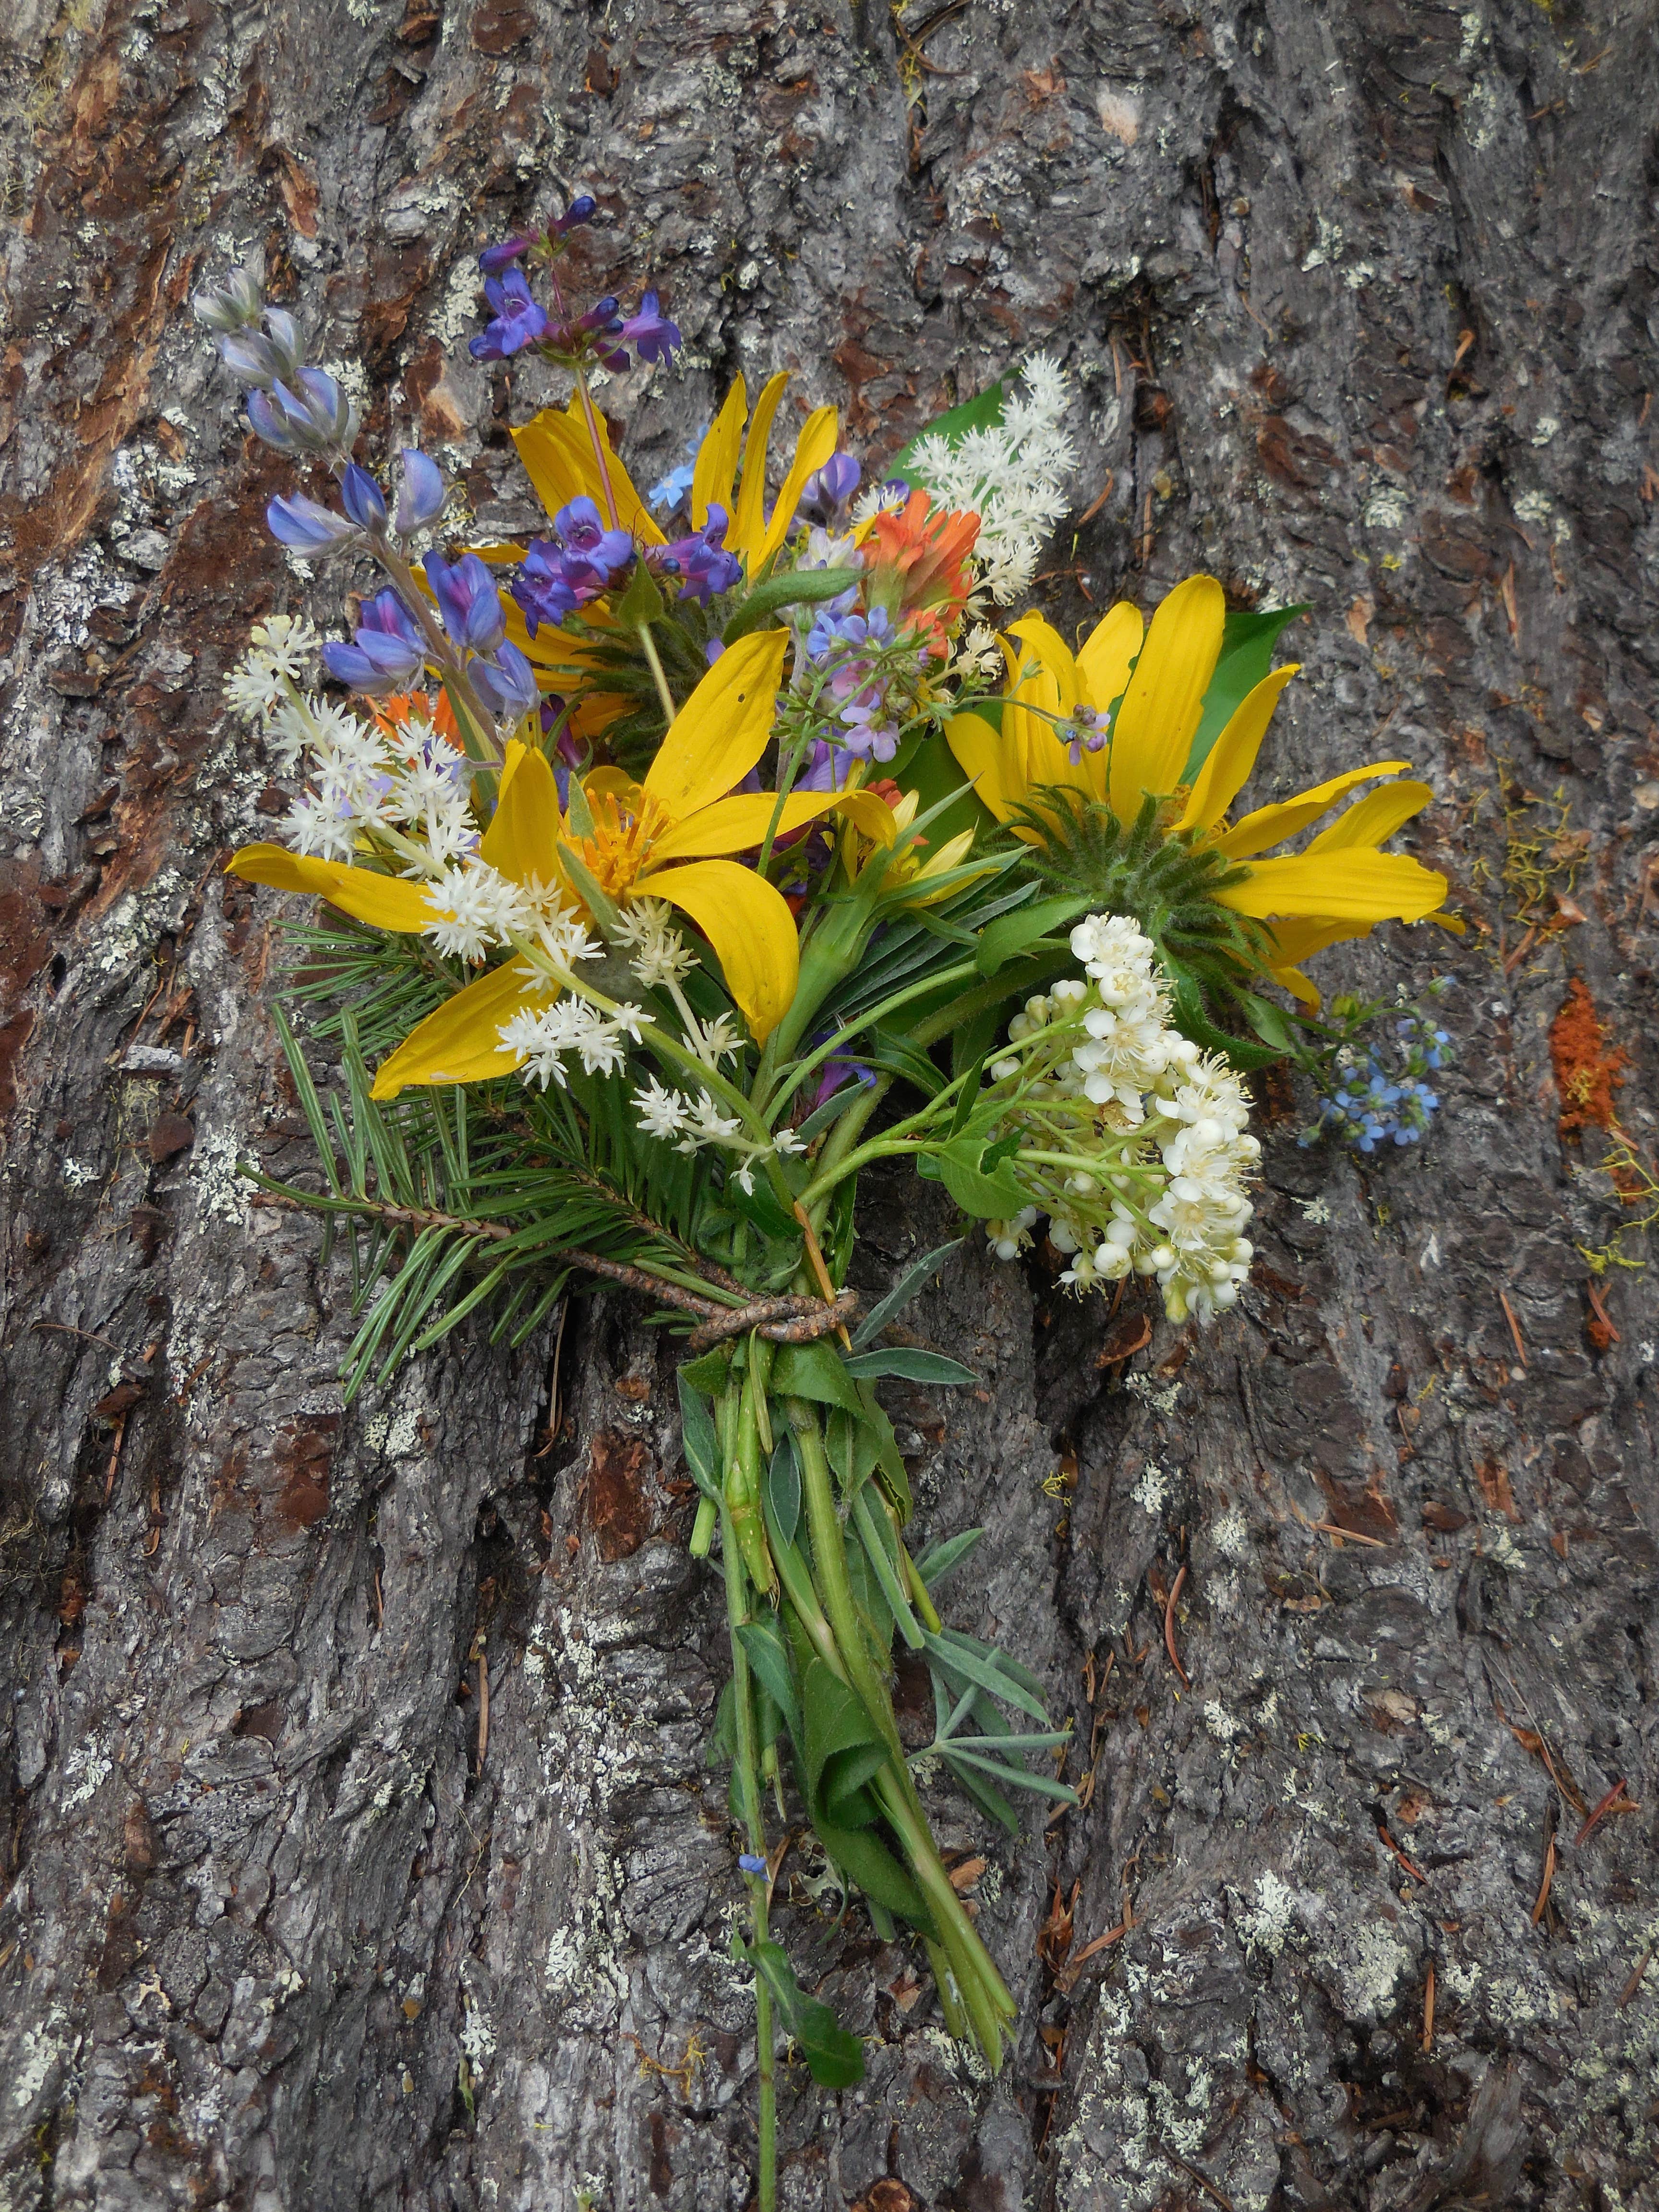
683	862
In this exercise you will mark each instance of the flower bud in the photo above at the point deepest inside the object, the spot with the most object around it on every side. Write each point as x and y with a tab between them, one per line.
422	498
306	527
363	500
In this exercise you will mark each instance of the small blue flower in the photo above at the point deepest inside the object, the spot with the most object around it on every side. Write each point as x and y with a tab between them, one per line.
668	491
750	1862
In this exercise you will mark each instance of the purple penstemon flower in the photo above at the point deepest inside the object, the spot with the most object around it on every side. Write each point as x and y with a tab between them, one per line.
541	589
839	1068
388	652
518	319
580	529
650	333
701	560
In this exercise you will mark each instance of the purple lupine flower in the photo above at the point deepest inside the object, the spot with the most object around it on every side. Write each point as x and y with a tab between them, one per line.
235	300
506	683
251	358
701	560
518	319
650	333
317	417
467	600
829	489
422	498
306	527
362	499
388	652
541	588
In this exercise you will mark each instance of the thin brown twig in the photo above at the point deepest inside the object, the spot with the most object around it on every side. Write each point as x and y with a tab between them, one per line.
1635	1981
1515	1327
1168	1627
785	1320
1609	1804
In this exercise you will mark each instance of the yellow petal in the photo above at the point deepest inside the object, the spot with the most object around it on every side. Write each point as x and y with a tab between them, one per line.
748	528
750	928
390	903
1354	884
556	448
1376	818
721	730
983	754
1226	770
524	833
873	818
716	464
740	824
1293	980
813	449
1165	697
1041	639
1293	942
1271	825
1107	654
458	1042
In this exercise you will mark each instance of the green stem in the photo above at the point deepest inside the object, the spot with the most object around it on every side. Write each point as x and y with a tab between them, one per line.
597	444
749	1790
649	644
982	1988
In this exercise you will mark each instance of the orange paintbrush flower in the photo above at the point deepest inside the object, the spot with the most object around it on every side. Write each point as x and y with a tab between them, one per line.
918	563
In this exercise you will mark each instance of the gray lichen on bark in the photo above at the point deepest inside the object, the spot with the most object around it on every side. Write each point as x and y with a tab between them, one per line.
1358	301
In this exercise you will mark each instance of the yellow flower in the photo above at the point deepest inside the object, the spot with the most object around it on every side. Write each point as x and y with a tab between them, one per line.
666	838
910	880
1338	887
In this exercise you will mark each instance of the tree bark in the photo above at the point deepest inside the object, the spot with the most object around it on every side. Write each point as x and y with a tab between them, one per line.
1358	296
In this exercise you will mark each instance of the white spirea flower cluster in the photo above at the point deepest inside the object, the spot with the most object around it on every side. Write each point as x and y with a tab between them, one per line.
1150	1133
1012	475
689	1124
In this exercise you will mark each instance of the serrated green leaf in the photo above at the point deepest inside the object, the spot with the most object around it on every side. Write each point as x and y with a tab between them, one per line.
1025	928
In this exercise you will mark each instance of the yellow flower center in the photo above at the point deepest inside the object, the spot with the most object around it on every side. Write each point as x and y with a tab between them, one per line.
619	851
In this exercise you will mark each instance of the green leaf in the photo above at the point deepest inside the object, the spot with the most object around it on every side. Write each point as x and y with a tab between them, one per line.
900	1057
641	603
910	1364
799	587
860	1854
1269	1023
979	1666
764	1648
1247	652
1022	930
982	412
783	1488
834	2057
761	1206
909	1284
708	1374
813	1370
938	1559
1194	1022
876	1534
698	1441
956	1165
842	1747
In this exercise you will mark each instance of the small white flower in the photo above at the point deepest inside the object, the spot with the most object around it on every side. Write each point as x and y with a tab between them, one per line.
474	907
661	1113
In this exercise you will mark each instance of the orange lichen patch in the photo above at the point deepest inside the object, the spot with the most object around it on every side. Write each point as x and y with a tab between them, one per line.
1587	1070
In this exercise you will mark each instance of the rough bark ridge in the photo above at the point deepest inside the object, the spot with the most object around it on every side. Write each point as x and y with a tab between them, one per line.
1358	295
